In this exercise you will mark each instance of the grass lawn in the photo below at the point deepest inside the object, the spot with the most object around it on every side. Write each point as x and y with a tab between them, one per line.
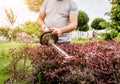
80	41
5	58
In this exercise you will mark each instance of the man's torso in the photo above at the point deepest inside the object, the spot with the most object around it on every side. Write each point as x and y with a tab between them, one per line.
57	15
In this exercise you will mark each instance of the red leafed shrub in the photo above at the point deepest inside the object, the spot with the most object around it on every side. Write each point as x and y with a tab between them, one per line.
92	63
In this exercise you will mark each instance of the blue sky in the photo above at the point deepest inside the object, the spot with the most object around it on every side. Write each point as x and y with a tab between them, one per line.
94	8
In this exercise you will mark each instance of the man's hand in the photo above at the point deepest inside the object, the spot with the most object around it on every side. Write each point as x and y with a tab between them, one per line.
57	31
43	28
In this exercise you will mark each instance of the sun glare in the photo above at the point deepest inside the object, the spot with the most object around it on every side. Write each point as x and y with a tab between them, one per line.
19	8
11	3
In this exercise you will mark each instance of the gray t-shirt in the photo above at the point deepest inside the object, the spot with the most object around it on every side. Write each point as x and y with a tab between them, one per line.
57	14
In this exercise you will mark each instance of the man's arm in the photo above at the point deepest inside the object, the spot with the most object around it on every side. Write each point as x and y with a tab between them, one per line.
40	21
70	27
42	15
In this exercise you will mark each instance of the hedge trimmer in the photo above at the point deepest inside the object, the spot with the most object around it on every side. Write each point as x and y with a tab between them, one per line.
47	38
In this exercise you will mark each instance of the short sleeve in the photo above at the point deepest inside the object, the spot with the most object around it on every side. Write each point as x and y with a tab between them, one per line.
73	8
43	7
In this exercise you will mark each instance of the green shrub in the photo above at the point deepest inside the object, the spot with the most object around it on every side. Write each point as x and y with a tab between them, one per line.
97	23
83	20
118	37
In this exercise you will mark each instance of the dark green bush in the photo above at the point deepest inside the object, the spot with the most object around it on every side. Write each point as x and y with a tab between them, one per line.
83	20
96	24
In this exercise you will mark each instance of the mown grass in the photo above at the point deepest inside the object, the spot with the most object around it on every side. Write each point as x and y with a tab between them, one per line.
81	40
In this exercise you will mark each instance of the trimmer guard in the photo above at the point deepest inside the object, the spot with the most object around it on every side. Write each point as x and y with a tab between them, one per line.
47	36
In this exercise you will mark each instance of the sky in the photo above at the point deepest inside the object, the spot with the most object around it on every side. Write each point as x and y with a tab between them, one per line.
19	8
94	8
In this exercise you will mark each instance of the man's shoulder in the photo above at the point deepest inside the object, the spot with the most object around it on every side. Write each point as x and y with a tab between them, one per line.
72	1
46	1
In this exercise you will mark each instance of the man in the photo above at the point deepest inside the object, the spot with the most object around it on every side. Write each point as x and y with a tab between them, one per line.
60	16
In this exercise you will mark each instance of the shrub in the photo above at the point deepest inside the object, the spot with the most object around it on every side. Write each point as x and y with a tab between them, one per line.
19	68
92	63
83	20
98	23
118	37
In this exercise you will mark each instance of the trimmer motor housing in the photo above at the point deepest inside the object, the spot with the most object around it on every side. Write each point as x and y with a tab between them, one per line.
48	36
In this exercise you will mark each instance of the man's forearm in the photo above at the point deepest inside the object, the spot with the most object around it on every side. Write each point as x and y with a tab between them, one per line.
69	28
40	22
40	19
72	25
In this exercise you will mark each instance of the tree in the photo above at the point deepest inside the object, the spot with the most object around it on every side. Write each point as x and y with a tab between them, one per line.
97	23
83	28
83	20
4	32
114	26
33	5
115	15
31	28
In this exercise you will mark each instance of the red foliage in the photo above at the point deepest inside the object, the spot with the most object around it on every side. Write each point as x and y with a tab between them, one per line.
94	63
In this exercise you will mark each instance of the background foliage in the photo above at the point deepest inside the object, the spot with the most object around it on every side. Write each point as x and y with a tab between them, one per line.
97	22
31	28
115	18
83	20
34	5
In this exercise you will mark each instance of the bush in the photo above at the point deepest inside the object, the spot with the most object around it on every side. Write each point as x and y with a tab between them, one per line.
83	28
109	36
98	23
19	68
118	37
83	20
92	63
